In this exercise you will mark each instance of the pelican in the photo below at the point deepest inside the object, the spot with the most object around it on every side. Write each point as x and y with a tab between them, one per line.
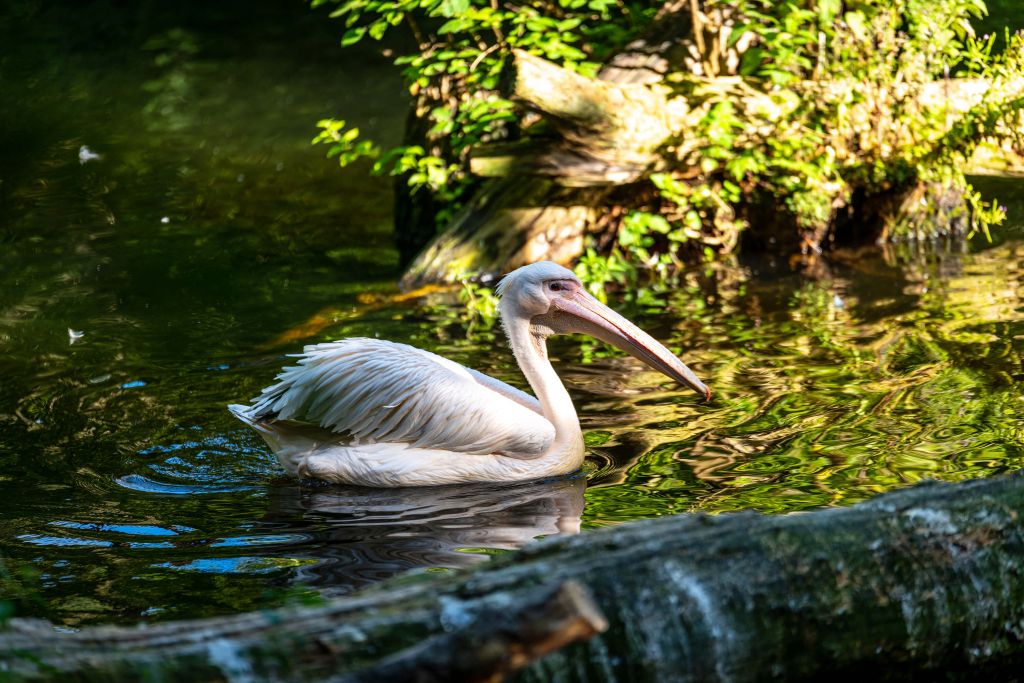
376	413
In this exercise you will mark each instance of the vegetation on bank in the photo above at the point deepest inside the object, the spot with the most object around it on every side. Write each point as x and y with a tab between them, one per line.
810	107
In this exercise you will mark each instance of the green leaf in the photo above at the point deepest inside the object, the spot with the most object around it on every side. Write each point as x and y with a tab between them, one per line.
452	8
858	24
827	10
353	36
377	29
455	25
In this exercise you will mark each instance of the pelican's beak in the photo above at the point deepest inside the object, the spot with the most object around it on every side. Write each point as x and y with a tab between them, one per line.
590	316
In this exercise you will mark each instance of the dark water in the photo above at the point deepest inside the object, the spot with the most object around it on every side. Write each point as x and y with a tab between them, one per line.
209	239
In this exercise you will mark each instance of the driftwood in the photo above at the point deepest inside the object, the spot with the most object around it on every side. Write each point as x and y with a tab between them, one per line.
923	583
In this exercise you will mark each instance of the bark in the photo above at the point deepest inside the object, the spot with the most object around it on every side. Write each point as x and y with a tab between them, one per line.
499	642
400	635
608	133
921	583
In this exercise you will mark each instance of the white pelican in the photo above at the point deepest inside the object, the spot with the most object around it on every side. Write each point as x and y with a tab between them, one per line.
375	413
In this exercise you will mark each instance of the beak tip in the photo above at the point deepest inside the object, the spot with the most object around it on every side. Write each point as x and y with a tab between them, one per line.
707	393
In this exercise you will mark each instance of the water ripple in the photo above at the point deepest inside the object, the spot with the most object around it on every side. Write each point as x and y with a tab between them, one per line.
138	482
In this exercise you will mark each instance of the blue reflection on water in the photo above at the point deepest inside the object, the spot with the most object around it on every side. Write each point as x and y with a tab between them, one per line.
276	539
141	529
39	539
225	565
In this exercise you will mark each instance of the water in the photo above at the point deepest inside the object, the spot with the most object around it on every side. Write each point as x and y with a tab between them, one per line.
142	291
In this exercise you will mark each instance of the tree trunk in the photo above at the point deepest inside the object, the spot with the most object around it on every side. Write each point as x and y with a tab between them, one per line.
538	220
922	583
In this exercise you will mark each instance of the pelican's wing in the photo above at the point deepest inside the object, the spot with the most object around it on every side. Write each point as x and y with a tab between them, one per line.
383	392
520	397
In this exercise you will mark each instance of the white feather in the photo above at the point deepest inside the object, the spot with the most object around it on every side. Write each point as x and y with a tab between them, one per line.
378	391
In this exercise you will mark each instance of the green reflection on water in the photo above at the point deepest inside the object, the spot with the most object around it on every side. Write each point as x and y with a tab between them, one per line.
831	391
210	239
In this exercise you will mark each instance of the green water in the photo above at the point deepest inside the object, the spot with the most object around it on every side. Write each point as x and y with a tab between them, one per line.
209	239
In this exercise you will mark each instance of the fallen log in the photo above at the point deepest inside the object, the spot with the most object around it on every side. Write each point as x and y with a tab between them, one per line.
608	133
389	637
920	583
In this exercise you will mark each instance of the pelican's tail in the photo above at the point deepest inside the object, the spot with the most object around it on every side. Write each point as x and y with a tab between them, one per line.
244	413
291	442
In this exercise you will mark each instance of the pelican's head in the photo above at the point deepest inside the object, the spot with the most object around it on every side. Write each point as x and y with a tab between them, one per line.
554	301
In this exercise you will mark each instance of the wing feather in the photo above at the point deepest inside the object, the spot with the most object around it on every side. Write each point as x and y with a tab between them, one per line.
383	392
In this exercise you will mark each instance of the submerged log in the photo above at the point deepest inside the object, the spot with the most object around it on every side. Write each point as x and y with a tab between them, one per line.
916	584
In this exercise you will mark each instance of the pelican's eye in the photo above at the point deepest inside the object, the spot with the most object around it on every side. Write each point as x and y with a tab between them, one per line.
556	287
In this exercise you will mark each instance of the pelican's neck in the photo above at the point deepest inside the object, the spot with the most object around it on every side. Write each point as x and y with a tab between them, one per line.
531	352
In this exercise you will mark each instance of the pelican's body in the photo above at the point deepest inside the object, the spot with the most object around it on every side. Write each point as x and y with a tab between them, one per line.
377	413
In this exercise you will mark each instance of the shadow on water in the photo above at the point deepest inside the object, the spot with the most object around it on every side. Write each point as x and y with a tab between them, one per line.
167	235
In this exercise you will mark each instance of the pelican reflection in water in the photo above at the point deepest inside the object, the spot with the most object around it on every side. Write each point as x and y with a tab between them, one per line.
376	413
358	536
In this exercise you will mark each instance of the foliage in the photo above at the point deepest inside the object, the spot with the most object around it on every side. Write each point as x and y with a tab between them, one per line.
454	76
880	133
807	103
833	99
481	304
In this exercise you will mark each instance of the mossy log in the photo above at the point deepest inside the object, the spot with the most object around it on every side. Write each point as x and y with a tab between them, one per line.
922	583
